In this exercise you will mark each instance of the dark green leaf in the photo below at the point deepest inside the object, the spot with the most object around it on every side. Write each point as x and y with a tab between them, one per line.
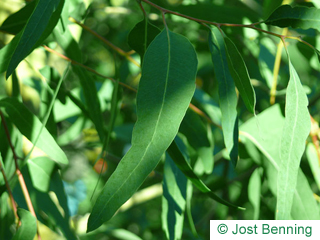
295	131
227	93
28	228
41	23
16	21
165	90
30	126
295	17
240	75
185	167
141	36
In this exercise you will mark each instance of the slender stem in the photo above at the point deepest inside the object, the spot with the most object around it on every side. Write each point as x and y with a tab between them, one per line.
13	203
276	69
114	47
314	137
18	172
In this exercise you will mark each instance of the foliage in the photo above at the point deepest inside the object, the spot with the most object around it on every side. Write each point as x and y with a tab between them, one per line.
146	119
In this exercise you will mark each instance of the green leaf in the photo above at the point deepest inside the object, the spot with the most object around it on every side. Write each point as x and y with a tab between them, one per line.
141	36
185	167
173	200
295	17
314	163
41	23
227	93
196	133
30	126
170	67
254	192
295	131
40	169
28	228
240	75
16	21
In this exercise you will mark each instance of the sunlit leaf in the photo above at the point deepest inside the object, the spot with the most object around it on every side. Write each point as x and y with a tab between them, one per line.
227	93
30	126
295	17
38	27
295	131
28	228
165	90
254	192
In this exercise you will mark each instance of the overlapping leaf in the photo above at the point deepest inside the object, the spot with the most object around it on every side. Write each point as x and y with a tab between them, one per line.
165	90
28	228
38	27
240	75
295	131
30	126
227	93
295	17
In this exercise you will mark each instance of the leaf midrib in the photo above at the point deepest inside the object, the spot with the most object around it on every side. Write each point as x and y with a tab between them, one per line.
156	126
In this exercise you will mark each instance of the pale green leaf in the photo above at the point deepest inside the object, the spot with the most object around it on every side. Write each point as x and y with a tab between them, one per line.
28	228
165	90
30	126
227	93
295	131
314	163
254	192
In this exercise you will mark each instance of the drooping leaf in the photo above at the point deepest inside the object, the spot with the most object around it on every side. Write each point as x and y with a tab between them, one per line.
67	42
240	75
173	200
16	21
295	131
267	139
227	93
40	169
141	36
38	27
28	228
295	17
185	167
30	126
165	90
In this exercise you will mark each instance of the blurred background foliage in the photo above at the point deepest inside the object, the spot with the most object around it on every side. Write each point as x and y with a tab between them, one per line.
88	169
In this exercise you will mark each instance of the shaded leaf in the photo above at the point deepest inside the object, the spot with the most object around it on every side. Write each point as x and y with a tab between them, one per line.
314	162
185	167
227	93
141	36
30	126
16	21
254	192
173	200
40	24
240	75
295	131
170	67
28	228
295	17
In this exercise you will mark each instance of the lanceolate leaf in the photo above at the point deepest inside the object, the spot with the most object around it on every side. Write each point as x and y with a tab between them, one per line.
42	21
28	228
227	93
30	126
295	17
240	75
295	131
185	167
166	87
